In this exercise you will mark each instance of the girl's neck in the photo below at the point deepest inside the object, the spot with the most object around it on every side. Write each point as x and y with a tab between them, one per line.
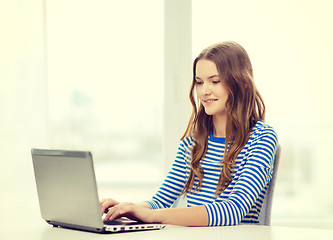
219	124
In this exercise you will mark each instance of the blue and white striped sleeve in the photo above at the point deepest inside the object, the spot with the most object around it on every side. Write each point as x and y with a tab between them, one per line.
253	178
175	180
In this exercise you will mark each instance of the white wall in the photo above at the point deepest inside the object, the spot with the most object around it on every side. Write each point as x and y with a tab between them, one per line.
22	103
290	45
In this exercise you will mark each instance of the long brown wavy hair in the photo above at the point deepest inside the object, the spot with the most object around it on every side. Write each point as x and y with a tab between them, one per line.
244	107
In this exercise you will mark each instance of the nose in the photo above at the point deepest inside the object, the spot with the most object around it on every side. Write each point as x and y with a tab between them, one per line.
206	89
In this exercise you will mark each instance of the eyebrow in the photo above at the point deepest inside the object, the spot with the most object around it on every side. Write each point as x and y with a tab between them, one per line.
210	77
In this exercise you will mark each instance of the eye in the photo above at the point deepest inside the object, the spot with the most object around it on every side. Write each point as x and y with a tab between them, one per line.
216	81
198	82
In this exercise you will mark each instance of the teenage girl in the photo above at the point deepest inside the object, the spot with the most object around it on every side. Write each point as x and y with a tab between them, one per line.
225	158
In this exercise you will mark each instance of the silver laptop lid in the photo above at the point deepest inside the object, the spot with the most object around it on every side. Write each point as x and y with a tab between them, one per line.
66	187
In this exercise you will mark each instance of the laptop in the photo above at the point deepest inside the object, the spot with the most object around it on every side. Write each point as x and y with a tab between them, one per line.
67	193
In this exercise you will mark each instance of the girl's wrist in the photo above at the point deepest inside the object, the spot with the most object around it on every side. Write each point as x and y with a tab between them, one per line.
158	216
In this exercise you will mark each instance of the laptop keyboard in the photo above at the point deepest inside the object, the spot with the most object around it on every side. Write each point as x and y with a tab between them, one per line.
121	222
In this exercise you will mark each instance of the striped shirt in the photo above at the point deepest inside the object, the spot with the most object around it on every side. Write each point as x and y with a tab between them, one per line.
241	201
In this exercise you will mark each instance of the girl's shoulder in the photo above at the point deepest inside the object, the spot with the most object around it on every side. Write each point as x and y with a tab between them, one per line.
263	130
187	142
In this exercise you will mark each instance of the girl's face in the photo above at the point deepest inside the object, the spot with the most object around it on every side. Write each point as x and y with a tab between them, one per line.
210	90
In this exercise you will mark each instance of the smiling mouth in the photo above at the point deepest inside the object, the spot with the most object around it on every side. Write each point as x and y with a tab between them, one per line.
210	100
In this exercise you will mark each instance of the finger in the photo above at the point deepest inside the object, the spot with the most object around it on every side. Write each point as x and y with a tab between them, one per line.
108	214
102	201
108	200
118	212
103	210
112	213
107	203
104	207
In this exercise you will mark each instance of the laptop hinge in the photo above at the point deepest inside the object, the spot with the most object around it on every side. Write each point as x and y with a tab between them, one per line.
77	227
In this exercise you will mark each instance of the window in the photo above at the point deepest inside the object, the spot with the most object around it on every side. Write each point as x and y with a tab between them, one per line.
105	81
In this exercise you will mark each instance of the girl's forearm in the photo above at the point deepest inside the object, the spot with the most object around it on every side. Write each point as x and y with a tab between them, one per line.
190	216
143	204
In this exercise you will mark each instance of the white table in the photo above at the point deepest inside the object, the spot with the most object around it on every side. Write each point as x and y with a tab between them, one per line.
19	205
45	232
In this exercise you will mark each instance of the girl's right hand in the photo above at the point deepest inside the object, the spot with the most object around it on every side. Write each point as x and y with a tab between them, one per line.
106	203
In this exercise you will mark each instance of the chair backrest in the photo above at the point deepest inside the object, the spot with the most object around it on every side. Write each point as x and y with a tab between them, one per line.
265	212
